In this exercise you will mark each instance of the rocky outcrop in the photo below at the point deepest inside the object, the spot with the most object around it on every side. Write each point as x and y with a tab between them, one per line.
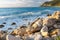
51	3
41	29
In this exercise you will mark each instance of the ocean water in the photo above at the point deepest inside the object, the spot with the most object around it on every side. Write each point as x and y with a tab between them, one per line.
21	16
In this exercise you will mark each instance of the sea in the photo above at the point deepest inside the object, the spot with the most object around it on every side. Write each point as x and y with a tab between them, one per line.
23	16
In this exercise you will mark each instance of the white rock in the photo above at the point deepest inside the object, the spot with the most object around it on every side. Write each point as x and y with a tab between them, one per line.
44	31
10	37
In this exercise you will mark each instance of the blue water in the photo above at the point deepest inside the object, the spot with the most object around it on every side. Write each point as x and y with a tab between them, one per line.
19	15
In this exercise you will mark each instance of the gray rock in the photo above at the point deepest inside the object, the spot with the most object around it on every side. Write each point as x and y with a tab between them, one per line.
10	37
57	26
47	38
38	36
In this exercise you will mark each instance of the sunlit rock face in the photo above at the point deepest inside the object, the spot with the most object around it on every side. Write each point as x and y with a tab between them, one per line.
56	15
44	31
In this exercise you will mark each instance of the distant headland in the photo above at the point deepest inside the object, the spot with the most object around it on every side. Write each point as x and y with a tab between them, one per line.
51	3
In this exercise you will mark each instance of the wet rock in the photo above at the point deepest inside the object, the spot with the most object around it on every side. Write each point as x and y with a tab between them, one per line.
4	22
10	37
1	26
23	26
48	14
10	28
44	31
13	23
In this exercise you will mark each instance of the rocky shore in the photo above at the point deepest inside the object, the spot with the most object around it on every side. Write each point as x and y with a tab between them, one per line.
41	29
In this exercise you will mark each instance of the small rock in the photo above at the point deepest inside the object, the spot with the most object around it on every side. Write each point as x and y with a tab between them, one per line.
10	28
57	26
4	22
1	26
48	14
13	23
38	36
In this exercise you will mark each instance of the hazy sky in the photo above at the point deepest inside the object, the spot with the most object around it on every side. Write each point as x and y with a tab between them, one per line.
21	3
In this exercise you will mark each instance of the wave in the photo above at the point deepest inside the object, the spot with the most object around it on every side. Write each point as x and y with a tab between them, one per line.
39	13
22	14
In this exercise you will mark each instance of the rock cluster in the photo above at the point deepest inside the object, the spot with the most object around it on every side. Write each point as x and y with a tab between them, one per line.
41	29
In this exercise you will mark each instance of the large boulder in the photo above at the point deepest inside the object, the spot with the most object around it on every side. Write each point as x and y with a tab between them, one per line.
44	31
37	23
56	15
35	26
49	22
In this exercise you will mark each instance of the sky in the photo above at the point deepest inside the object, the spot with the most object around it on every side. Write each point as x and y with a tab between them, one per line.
21	3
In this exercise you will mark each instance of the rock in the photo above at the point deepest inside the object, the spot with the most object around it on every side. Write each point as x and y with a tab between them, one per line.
37	23
57	26
49	22
4	22
55	32
10	28
3	35
44	31
1	26
29	37
20	32
35	26
48	14
23	26
38	36
10	37
47	38
56	15
13	23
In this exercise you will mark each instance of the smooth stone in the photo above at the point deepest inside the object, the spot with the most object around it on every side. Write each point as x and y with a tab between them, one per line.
44	31
57	26
37	23
38	36
13	23
10	37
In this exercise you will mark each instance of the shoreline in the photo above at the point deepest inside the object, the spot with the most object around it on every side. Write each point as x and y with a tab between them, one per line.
46	29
